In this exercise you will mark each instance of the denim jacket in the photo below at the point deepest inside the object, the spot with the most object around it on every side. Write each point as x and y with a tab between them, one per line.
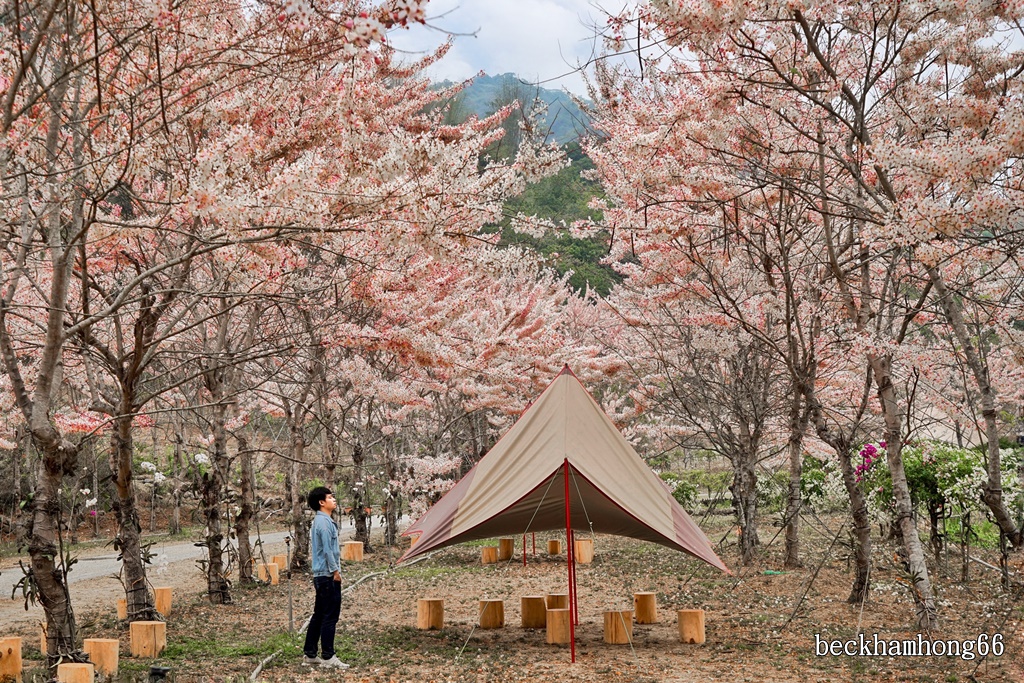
326	553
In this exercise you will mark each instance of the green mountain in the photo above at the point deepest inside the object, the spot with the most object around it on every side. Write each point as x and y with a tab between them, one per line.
564	120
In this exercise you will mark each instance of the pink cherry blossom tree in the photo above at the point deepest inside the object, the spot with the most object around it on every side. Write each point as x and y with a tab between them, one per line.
97	148
890	125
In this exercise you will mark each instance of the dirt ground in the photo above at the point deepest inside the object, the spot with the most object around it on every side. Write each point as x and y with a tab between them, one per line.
763	624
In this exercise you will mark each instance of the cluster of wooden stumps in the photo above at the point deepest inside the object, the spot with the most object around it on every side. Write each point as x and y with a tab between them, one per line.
491	554
147	639
552	611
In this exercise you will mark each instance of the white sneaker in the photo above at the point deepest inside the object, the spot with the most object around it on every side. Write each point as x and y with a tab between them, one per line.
333	663
311	661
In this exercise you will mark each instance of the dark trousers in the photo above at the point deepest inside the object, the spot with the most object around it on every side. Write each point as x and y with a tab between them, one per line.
324	621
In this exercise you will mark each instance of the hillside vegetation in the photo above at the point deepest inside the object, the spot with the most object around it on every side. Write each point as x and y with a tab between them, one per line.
561	199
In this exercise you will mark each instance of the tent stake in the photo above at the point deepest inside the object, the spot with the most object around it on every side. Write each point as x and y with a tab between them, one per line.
569	562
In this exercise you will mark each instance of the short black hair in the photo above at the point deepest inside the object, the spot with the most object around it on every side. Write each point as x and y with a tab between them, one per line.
317	496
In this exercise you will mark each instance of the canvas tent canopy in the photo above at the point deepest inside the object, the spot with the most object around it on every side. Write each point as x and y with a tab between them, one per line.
562	448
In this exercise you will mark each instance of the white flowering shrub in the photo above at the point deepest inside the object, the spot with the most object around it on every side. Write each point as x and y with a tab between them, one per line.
821	485
945	478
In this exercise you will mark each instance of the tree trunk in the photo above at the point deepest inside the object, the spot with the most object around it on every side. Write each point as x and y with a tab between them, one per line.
861	526
129	530
16	475
841	444
218	587
75	513
57	458
797	426
176	472
300	530
992	492
965	544
358	502
936	517
332	476
921	586
390	503
156	461
96	493
245	513
331	461
744	497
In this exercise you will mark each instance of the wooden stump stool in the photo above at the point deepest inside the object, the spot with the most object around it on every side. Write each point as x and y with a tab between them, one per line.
618	626
691	626
281	561
148	638
352	551
645	606
557	600
488	554
270	573
122	608
75	673
492	614
534	611
104	654
162	598
554	546
584	549
506	549
429	614
558	632
10	659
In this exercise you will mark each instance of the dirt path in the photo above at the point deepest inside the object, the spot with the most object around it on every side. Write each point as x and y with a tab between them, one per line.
94	582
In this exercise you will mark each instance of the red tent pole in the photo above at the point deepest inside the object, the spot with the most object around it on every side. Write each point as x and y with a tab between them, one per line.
573	603
534	540
570	559
524	548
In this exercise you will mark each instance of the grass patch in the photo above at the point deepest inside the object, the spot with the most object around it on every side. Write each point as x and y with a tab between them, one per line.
208	648
425	571
378	647
479	543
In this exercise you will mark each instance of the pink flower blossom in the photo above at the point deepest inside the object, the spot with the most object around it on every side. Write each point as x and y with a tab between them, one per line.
868	454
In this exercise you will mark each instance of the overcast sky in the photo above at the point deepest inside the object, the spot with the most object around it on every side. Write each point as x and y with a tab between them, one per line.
540	40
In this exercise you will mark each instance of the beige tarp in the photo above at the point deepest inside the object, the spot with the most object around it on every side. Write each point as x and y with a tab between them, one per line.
519	486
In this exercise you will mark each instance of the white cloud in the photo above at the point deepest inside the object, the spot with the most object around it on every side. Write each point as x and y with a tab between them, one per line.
541	40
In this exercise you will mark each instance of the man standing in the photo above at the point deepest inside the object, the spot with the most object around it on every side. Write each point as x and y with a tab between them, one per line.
326	560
